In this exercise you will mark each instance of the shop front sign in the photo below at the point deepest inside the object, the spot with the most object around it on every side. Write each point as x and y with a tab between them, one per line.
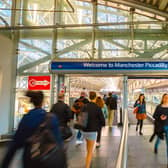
39	82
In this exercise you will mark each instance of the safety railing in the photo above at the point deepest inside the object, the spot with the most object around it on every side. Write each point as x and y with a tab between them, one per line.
123	149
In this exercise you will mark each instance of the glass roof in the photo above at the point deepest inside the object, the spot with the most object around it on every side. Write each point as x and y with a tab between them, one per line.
106	30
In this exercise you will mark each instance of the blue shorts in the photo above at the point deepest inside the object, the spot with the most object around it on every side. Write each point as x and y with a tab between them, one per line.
90	135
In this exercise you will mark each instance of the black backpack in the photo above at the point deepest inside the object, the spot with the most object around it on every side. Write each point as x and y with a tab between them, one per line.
43	150
112	103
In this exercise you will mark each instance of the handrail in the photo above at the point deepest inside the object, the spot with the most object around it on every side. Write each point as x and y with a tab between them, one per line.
123	150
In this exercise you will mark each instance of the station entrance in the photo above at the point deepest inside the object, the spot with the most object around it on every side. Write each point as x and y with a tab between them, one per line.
126	87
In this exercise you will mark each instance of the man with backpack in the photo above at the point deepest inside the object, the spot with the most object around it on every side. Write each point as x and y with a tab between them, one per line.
76	109
111	103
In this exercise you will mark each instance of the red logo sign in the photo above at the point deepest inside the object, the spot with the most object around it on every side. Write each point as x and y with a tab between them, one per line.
39	82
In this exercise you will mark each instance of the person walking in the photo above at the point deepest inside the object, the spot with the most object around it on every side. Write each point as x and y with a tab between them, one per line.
111	103
27	127
161	117
76	109
64	115
94	122
102	105
140	104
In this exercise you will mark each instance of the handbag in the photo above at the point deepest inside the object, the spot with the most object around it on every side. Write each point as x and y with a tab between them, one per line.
82	121
66	132
135	110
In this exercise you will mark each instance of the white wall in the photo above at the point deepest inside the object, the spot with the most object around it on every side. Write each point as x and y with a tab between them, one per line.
5	82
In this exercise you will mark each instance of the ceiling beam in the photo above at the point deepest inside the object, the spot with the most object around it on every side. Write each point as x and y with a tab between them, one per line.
148	53
118	44
148	1
46	58
154	2
72	34
101	34
35	48
141	6
151	53
159	49
163	4
124	47
32	64
108	11
73	47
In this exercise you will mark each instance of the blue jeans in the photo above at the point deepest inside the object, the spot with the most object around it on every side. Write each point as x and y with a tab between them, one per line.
158	139
79	135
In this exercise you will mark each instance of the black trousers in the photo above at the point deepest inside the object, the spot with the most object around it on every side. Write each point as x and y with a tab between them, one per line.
99	135
140	122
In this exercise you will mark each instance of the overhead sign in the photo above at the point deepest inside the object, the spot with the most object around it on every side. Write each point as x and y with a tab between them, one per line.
68	66
39	82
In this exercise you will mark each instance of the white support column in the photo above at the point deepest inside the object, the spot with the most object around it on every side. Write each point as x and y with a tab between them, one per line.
6	83
125	92
125	107
15	20
94	3
56	20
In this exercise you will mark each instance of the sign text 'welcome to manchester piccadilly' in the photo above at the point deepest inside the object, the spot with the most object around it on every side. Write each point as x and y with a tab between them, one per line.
128	65
68	66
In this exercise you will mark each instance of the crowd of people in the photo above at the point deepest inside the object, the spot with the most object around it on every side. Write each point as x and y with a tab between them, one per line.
42	135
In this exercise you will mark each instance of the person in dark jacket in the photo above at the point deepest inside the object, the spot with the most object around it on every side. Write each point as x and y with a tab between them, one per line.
62	111
27	127
64	115
161	117
94	122
111	103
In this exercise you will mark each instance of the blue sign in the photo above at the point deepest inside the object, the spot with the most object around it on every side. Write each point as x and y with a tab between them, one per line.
69	66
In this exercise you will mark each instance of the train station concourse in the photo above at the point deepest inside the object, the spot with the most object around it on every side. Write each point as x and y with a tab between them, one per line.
67	51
